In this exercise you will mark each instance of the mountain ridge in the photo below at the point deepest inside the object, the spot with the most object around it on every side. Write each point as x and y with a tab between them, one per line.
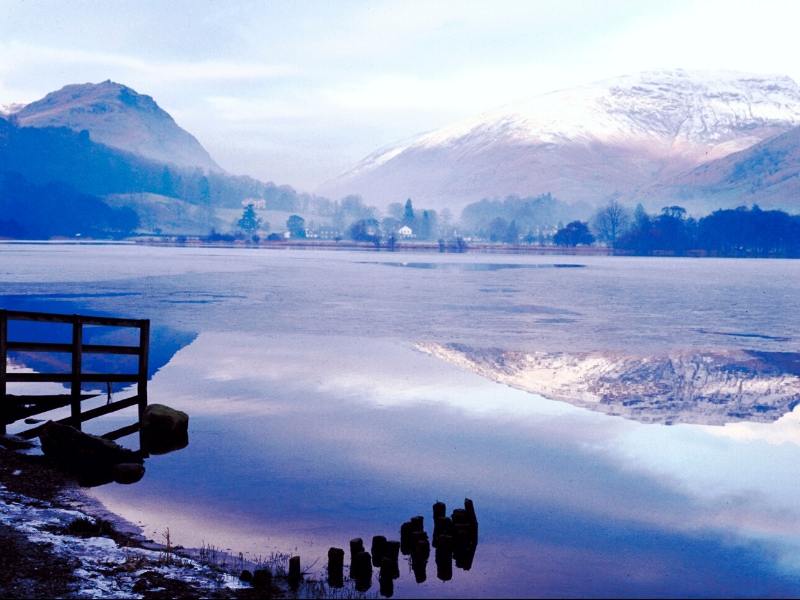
117	116
766	173
613	138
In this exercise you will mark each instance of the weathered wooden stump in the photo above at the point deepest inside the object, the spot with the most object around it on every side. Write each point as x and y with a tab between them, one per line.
459	517
361	570
406	529
444	558
392	553
417	523
463	548
442	526
356	546
473	519
465	535
419	558
470	508
377	549
336	567
295	574
387	577
362	565
422	545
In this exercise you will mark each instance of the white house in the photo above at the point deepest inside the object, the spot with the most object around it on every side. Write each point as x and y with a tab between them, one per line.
405	232
259	203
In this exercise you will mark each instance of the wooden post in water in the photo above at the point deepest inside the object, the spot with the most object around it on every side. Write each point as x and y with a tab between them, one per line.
295	574
3	358
75	386
377	550
392	552
361	570
386	578
336	567
144	349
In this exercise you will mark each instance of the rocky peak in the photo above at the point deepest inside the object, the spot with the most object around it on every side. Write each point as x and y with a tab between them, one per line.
118	116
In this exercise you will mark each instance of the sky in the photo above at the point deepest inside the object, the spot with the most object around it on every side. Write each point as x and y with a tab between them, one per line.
298	92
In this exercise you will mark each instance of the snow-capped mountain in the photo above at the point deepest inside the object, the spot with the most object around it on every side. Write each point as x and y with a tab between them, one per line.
117	116
612	138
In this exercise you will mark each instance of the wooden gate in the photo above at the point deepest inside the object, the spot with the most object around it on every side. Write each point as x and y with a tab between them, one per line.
16	407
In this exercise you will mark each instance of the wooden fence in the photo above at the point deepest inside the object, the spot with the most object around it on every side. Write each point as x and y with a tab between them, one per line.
16	407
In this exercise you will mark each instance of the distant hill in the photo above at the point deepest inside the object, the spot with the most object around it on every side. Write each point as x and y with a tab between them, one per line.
50	154
45	155
108	148
614	138
767	173
31	211
117	116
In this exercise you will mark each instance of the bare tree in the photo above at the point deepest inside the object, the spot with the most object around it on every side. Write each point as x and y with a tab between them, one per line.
610	221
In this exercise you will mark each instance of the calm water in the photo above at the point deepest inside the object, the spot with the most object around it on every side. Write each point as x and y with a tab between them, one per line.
313	419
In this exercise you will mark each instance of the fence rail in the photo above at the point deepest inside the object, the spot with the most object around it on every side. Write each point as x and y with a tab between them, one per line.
15	407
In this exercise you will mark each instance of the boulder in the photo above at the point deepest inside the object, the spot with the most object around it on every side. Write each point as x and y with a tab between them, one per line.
164	429
127	473
90	457
73	448
262	579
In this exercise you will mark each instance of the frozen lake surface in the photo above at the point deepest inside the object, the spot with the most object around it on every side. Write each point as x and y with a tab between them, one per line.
315	420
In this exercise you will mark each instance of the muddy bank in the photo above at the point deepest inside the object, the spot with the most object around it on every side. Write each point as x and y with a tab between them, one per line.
55	545
708	388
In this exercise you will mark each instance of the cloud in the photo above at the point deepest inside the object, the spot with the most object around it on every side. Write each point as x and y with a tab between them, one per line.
15	56
460	93
259	109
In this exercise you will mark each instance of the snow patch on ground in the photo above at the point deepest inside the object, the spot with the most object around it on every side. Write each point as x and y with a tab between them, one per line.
106	569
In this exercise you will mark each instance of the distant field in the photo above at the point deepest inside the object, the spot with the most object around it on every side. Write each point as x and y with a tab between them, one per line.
172	216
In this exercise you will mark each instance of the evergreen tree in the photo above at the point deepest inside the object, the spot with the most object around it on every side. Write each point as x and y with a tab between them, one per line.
427	227
512	233
296	226
250	222
408	214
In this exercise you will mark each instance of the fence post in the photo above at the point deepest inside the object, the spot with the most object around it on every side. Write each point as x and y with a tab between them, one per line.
144	348
3	358
77	355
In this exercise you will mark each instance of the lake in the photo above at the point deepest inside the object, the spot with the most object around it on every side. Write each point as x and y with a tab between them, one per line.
315	420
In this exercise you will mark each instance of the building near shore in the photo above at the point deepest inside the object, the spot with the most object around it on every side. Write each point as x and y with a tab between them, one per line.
405	232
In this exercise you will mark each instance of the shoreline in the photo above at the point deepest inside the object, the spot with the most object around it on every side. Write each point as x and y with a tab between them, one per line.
63	543
343	245
402	247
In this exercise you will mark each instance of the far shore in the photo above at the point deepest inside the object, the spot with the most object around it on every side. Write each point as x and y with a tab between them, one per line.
408	246
300	244
403	246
